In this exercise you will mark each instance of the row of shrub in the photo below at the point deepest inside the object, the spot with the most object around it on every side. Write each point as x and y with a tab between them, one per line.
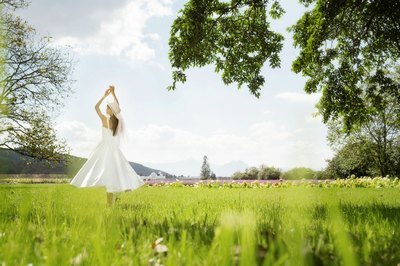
352	182
272	173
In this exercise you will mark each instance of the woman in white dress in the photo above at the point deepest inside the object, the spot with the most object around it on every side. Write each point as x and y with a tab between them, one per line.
107	166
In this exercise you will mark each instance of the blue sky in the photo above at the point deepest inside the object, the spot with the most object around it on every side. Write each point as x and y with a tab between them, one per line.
125	43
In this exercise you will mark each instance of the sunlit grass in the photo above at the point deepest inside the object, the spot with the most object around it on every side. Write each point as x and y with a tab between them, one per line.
34	179
63	225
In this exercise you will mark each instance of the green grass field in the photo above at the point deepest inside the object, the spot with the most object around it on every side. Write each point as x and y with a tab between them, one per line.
58	224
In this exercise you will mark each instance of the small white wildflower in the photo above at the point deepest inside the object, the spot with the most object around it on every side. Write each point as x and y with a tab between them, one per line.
79	258
156	246
161	249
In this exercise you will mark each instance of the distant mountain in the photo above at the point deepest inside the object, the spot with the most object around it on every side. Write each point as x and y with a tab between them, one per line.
146	171
228	169
188	167
14	163
191	167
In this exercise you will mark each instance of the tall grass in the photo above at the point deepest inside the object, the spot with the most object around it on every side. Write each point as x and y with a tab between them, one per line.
63	225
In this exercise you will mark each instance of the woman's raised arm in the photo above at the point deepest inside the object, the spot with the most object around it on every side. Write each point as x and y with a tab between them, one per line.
97	106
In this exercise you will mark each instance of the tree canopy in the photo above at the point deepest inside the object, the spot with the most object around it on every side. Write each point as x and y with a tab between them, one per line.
235	36
342	45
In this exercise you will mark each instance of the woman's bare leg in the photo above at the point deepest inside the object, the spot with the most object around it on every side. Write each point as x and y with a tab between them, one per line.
110	199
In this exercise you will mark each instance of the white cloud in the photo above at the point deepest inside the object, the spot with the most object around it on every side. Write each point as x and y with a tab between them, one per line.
81	138
264	142
296	97
267	112
122	32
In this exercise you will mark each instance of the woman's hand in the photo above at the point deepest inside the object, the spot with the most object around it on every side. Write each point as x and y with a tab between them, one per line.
111	88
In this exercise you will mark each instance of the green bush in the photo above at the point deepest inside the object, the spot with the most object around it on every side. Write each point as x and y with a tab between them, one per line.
324	174
251	173
268	173
299	173
353	159
238	175
262	173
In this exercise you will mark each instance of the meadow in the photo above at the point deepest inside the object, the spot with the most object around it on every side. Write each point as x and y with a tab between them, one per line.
57	224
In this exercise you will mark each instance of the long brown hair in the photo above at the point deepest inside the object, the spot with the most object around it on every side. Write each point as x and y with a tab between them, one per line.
114	123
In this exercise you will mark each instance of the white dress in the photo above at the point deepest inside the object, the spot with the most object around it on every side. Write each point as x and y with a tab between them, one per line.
107	167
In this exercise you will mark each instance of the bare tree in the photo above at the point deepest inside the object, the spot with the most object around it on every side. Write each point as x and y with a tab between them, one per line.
35	80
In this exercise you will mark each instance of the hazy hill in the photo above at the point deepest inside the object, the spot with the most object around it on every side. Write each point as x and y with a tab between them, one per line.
14	163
